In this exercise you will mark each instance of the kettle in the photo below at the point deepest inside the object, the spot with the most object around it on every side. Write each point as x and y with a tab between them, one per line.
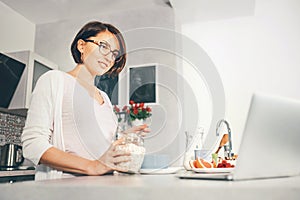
11	156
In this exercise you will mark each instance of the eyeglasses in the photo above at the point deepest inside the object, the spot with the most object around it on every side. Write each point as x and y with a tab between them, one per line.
105	49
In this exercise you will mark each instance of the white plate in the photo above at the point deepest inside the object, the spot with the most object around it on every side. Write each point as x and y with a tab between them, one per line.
169	170
212	170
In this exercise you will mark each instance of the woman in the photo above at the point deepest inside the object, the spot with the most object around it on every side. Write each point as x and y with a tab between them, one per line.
70	123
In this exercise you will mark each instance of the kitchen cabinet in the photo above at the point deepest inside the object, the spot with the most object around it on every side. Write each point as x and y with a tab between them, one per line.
36	65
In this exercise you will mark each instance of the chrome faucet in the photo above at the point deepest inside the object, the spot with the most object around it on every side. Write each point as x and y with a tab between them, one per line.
228	148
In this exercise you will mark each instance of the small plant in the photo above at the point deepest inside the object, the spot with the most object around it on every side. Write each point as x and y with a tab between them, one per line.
139	111
135	111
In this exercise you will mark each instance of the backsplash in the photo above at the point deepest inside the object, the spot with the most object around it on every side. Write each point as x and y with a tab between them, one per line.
11	126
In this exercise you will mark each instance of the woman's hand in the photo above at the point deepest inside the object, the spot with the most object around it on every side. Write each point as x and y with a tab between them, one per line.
109	160
142	130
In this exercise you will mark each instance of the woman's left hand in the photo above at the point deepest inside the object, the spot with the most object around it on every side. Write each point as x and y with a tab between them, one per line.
142	130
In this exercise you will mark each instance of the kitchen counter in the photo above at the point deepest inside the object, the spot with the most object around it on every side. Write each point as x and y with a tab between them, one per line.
16	175
151	187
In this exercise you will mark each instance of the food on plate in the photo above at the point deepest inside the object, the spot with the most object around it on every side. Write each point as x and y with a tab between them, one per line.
225	164
201	163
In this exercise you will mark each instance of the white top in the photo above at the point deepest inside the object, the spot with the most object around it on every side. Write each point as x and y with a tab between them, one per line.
76	140
88	126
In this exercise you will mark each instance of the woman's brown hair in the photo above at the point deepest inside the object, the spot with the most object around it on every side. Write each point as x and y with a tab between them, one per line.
92	29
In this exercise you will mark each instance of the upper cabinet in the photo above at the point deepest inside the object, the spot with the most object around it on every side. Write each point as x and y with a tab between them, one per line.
35	67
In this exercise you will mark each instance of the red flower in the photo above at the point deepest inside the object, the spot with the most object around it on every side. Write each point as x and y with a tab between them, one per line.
124	108
135	111
116	108
138	110
142	105
148	109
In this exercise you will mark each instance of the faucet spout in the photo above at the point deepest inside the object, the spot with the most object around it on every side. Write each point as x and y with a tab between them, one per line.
220	122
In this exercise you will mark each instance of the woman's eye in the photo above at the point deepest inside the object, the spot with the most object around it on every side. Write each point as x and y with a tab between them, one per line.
104	46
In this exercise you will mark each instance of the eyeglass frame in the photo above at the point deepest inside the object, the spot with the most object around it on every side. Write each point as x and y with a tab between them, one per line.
104	43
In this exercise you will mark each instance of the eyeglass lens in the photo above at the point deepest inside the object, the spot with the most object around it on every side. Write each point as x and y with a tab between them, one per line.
105	49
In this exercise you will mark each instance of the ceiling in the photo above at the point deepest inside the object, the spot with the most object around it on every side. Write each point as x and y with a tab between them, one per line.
41	12
47	11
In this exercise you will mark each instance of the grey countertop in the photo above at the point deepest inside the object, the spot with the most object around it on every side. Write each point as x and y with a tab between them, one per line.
123	186
20	112
16	175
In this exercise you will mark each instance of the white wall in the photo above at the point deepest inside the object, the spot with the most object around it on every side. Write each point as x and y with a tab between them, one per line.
17	33
253	53
61	34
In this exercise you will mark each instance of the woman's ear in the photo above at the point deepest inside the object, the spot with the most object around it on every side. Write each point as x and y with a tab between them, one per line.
80	45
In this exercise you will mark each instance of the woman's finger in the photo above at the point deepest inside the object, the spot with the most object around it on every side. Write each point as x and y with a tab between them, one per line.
147	130
120	153
120	159
136	129
143	134
116	143
143	128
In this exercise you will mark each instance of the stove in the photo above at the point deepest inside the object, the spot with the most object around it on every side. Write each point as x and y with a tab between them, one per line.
22	173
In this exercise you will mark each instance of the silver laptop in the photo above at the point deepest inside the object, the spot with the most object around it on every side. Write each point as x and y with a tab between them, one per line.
270	144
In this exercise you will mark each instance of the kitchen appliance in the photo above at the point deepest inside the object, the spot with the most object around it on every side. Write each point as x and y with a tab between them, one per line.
11	156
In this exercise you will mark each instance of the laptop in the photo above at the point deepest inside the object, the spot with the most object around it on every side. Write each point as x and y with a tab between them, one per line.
270	143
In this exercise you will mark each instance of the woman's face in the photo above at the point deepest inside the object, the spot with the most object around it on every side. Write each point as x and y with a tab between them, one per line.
99	59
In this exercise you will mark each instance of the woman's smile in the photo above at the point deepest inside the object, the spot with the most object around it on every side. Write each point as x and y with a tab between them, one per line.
103	65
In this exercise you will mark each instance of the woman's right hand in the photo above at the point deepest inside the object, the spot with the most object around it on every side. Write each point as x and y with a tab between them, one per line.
141	130
111	158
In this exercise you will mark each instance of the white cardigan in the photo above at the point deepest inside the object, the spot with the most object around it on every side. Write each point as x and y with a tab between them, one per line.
43	128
